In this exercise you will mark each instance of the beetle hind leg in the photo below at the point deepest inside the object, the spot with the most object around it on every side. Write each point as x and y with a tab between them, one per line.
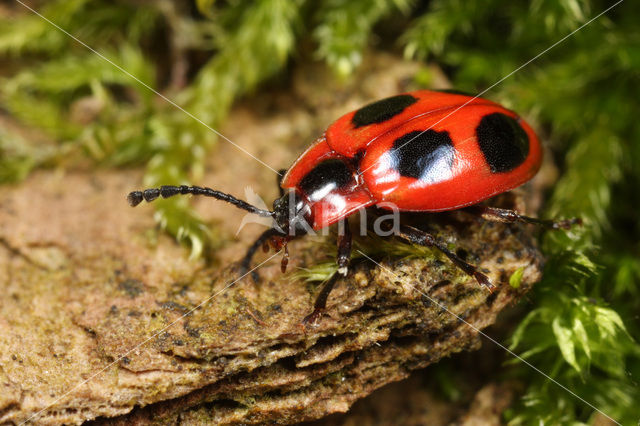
495	214
416	236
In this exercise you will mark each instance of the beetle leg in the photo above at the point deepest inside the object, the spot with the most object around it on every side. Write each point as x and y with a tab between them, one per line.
321	300
285	258
422	238
344	247
245	263
343	258
509	216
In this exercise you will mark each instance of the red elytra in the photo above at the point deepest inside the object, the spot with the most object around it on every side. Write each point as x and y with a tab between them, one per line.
454	172
419	151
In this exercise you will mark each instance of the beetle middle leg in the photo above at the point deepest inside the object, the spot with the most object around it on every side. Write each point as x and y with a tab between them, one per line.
344	255
495	214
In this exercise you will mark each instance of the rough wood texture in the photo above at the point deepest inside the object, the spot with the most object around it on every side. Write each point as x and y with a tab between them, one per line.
93	302
78	292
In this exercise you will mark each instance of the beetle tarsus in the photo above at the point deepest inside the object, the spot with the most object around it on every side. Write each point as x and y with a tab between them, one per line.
285	258
495	214
320	304
312	319
484	281
567	223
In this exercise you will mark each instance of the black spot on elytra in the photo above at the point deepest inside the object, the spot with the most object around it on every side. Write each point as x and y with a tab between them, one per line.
503	142
427	156
326	176
382	110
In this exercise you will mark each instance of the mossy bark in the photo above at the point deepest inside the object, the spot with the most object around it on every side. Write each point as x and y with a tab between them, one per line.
93	300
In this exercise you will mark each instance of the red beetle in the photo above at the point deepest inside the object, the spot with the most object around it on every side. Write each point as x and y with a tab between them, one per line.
425	151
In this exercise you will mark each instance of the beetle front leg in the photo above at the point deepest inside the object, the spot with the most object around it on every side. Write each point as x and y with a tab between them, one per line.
344	255
422	238
245	263
495	214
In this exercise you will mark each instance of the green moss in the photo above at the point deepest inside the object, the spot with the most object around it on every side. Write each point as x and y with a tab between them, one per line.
516	278
345	28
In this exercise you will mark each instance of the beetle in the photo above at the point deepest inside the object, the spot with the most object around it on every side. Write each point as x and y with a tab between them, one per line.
421	151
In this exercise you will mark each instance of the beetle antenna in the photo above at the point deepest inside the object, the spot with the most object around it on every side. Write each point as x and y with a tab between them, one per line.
134	198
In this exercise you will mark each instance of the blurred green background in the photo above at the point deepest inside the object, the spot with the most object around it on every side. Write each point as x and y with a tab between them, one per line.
582	324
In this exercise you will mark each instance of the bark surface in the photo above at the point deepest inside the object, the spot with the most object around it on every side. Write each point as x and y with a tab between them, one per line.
104	317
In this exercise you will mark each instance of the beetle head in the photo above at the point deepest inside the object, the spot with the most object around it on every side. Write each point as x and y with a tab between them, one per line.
292	214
